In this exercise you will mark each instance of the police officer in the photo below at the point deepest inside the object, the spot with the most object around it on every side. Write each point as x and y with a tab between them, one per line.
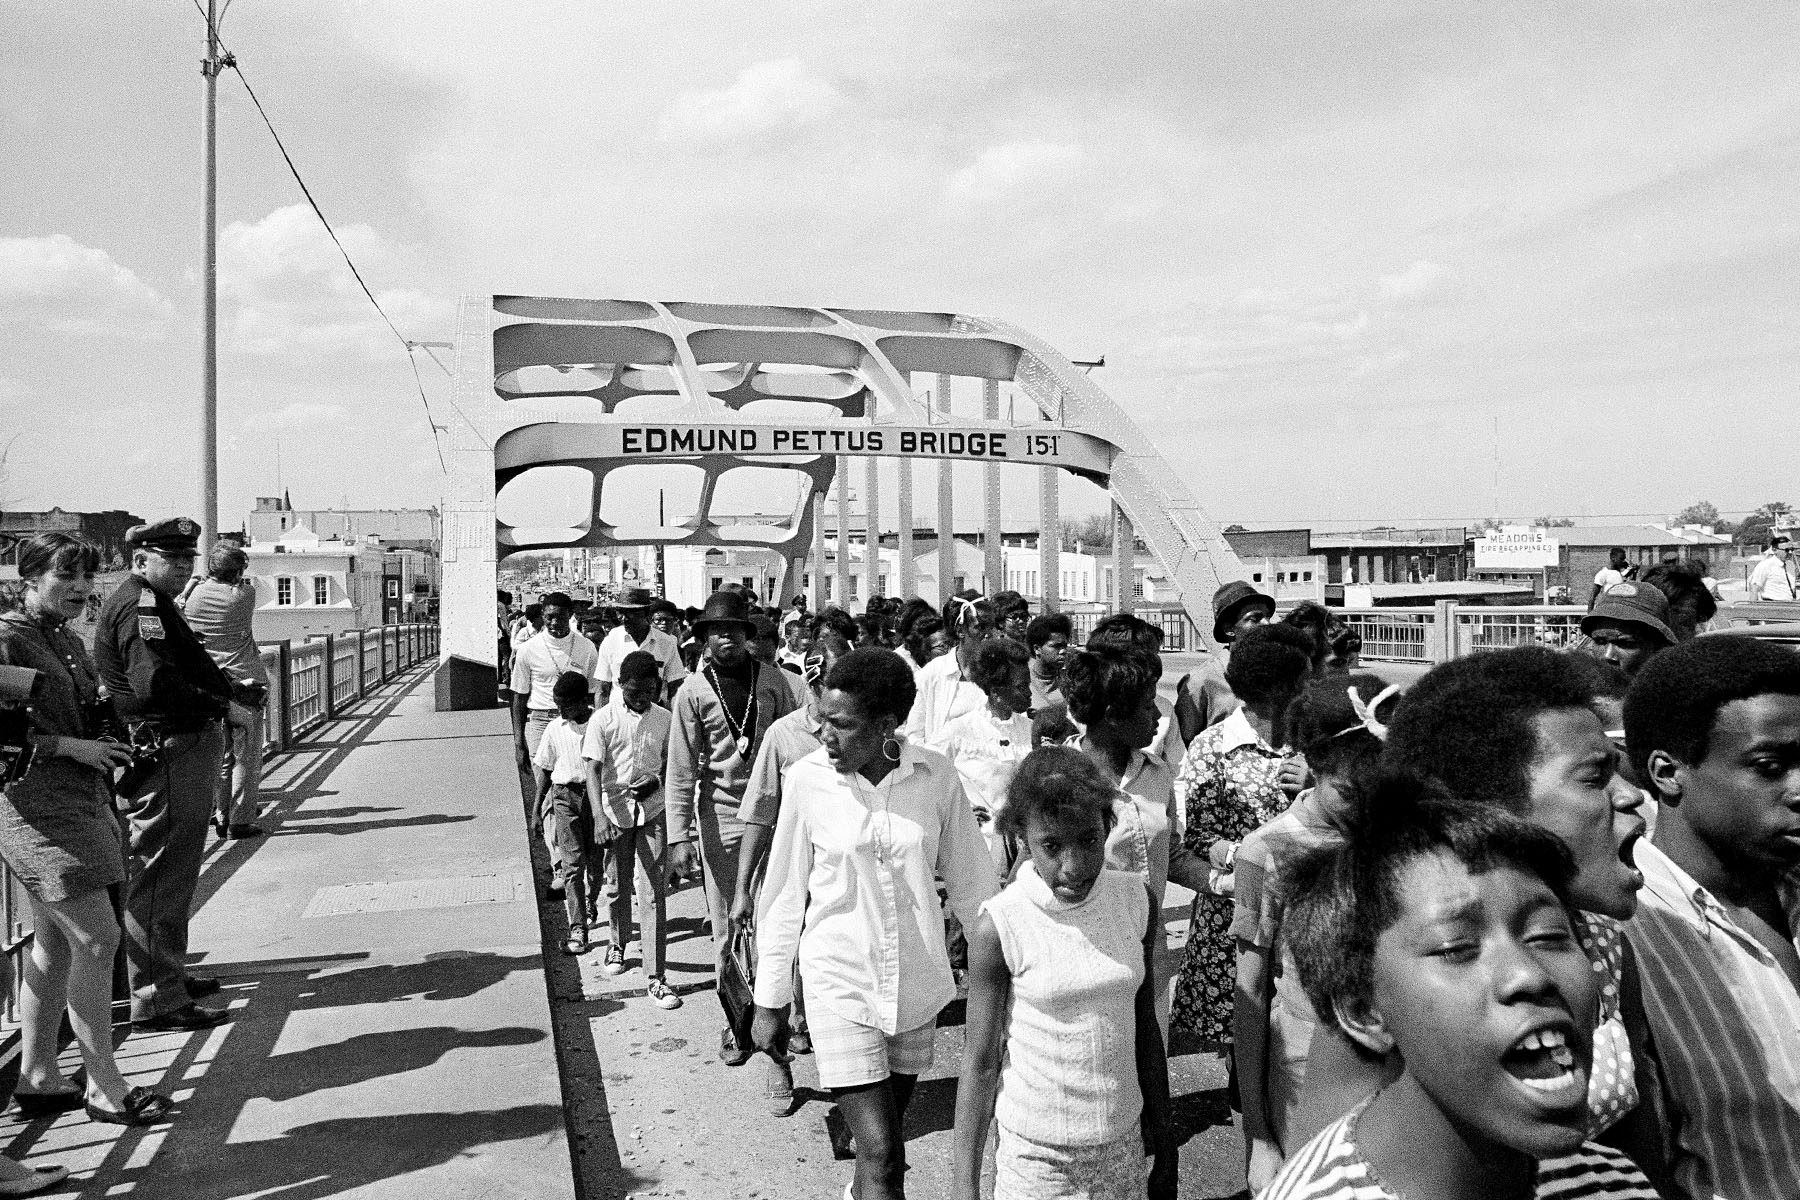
167	688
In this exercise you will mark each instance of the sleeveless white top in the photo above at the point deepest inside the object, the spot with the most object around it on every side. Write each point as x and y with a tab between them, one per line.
1070	1077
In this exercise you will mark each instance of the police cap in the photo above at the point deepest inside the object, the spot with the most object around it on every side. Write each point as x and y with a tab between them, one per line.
175	536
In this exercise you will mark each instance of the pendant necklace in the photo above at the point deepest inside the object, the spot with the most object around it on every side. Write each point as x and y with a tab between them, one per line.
740	727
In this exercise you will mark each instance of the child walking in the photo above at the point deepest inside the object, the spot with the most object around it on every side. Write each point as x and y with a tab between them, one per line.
563	805
625	749
1063	1042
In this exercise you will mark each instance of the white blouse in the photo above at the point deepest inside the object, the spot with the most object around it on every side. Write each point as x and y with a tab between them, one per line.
851	891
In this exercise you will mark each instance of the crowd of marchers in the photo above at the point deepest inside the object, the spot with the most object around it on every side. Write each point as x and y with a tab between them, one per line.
1526	929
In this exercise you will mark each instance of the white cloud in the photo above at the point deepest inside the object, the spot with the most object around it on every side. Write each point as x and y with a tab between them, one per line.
1006	169
1417	280
766	96
59	284
301	414
290	291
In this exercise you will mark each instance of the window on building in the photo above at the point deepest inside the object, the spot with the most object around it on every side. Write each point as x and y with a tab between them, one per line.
853	583
881	584
749	581
322	589
959	583
1256	578
718	581
284	590
1137	585
1308	575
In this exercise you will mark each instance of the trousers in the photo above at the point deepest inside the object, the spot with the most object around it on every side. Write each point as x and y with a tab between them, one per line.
718	869
240	774
168	816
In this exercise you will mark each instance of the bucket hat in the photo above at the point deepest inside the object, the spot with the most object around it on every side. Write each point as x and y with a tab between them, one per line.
1635	604
724	608
1231	598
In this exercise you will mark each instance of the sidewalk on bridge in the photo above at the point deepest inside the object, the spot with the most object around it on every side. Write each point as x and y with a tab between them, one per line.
381	958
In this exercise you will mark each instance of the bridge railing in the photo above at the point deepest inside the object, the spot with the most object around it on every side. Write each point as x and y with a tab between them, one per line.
309	684
1449	630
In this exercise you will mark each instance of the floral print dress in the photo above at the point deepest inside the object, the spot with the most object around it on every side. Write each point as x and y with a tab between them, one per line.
1228	784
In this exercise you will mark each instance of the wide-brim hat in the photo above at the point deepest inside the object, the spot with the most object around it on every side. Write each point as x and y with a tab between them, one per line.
1632	603
634	597
1231	598
724	608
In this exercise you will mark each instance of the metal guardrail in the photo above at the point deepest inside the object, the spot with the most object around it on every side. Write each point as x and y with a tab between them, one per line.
1449	630
310	684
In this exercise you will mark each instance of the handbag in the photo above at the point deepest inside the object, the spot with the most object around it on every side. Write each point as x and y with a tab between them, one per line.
737	983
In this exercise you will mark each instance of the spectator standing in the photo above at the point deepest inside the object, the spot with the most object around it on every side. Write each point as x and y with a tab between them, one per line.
720	716
1628	625
1773	577
1616	571
172	694
637	632
60	837
222	608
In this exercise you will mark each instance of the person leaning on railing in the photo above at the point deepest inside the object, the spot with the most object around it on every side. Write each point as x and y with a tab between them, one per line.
61	840
222	609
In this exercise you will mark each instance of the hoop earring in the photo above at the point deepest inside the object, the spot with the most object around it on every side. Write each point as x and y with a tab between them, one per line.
894	754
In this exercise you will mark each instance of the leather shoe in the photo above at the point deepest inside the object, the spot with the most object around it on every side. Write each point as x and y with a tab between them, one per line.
185	1019
236	832
199	985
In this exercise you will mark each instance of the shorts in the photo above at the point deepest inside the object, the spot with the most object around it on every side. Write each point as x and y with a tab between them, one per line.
1025	1170
852	1055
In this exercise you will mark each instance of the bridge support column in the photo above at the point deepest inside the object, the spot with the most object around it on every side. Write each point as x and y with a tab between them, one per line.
993	562
872	529
841	592
909	570
815	586
1124	553
1050	538
946	511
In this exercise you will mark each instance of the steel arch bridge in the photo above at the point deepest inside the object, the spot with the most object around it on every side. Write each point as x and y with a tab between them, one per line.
609	385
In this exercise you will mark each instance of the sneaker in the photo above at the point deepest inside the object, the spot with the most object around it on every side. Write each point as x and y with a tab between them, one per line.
778	1088
661	994
614	962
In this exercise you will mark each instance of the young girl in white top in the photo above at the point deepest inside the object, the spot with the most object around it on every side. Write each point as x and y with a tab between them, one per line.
988	745
1063	1043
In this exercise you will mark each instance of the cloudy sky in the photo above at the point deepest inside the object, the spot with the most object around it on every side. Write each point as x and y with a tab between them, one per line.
1327	248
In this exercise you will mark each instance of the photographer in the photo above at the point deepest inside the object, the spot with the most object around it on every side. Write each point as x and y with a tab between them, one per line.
173	695
59	836
220	608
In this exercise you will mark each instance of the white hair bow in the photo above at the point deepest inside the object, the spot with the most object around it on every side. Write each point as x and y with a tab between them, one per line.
1365	711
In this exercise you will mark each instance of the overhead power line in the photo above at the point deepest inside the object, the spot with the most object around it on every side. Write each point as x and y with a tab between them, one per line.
406	344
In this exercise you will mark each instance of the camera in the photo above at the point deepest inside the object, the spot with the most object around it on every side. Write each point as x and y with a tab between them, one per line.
17	687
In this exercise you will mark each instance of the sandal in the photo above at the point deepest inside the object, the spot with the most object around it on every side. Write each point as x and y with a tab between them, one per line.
142	1107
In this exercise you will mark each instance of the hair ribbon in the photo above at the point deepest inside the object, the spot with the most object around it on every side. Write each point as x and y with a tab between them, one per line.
1365	711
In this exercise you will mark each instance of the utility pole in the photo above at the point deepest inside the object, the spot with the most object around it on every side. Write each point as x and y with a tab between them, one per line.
208	515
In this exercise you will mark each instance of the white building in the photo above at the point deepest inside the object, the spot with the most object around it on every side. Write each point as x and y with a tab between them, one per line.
303	586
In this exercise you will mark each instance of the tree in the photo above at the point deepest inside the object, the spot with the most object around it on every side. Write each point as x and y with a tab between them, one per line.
1757	526
1091	532
1555	522
1702	512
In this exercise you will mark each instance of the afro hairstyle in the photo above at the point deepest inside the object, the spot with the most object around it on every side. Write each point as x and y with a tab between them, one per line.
1269	663
877	679
1468	722
1108	678
994	662
1675	699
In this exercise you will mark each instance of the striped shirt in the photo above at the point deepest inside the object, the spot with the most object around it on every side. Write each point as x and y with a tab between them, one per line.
1330	1167
1726	1022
